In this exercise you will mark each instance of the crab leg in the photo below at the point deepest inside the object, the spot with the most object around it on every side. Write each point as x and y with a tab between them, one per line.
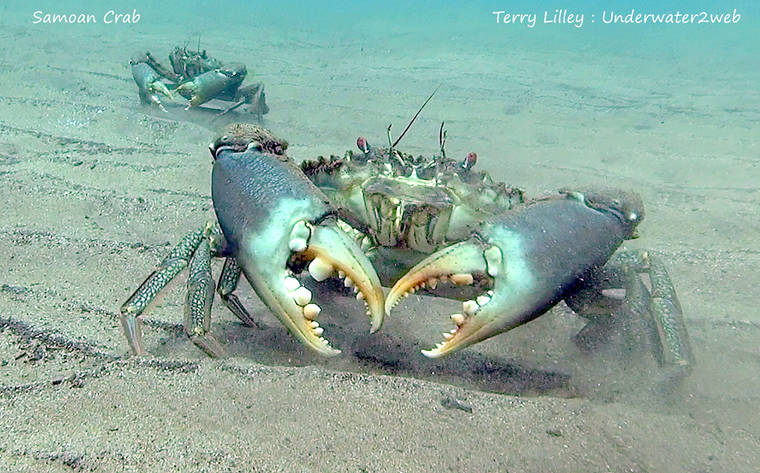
158	279
278	223
200	295
227	284
531	258
668	316
662	304
607	311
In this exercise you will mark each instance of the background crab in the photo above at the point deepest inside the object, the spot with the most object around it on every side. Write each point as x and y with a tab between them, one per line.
414	223
197	77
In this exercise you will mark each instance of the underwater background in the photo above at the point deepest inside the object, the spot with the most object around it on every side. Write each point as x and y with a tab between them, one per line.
97	188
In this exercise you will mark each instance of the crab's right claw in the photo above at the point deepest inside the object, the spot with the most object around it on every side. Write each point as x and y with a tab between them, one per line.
331	252
149	84
324	251
281	224
160	87
472	262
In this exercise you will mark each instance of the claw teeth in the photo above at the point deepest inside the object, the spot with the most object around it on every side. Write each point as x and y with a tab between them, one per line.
447	335
320	269
458	319
318	331
302	296
348	282
433	282
365	243
311	311
291	284
298	245
461	279
314	324
360	296
470	307
483	300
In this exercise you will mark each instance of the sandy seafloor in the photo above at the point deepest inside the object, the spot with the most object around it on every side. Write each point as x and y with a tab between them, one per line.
97	188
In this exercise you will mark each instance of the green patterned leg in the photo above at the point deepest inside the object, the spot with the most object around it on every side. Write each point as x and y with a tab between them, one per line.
660	302
668	316
158	279
228	282
200	296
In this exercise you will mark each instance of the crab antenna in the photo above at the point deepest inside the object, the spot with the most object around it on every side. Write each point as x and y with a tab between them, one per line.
442	140
411	122
388	132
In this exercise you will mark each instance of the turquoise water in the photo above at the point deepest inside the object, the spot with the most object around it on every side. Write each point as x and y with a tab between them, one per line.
98	187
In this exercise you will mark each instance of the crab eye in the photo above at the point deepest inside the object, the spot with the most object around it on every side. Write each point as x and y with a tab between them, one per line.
633	216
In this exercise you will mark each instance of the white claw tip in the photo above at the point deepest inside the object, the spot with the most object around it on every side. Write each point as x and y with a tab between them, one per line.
432	353
297	245
291	284
320	269
311	311
462	279
470	307
302	296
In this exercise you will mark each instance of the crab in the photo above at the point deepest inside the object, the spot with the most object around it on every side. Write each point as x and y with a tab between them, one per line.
197	77
383	217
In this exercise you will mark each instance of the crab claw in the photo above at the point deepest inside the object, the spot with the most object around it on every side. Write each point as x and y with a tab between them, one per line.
526	261
211	84
471	262
149	83
278	223
330	252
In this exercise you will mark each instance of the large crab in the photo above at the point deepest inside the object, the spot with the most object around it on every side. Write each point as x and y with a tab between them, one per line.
413	223
197	77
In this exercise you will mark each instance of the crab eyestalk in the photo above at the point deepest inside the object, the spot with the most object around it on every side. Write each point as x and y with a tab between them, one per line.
273	217
533	256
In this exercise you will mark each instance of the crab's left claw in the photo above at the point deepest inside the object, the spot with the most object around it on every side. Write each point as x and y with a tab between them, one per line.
470	262
279	223
525	261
